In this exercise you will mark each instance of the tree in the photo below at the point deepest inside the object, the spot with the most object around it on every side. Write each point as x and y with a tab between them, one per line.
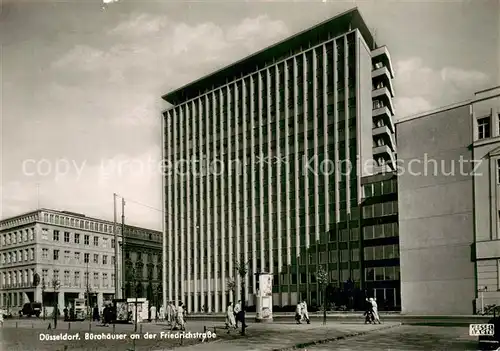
231	285
322	279
242	268
55	284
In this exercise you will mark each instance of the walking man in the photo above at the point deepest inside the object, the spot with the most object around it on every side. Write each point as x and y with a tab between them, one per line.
179	318
162	313
305	313
298	313
152	312
170	313
238	312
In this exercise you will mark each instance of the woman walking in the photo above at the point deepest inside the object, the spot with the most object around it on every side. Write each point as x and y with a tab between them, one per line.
230	320
376	316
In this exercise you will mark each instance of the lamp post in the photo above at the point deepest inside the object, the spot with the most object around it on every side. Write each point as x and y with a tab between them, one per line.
322	278
44	286
56	285
482	290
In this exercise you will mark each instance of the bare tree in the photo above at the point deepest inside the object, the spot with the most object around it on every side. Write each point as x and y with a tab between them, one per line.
322	279
231	285
242	268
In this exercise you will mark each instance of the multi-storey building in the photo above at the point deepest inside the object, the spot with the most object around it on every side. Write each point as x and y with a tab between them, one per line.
380	240
486	149
70	249
275	133
142	253
448	207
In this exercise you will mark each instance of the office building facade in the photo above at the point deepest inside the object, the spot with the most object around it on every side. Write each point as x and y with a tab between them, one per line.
448	207
273	136
380	240
71	254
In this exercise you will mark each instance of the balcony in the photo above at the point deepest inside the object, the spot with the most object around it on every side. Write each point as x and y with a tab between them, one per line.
386	153
385	114
384	95
382	75
382	54
385	133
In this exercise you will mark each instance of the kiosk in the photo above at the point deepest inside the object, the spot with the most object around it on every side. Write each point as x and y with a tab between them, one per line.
264	299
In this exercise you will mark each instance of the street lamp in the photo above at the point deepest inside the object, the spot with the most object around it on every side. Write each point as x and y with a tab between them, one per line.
482	290
44	287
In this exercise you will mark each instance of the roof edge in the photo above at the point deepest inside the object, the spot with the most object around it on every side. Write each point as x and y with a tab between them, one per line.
434	111
170	94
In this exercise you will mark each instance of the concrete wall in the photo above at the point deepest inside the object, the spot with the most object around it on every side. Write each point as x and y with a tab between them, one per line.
436	213
365	119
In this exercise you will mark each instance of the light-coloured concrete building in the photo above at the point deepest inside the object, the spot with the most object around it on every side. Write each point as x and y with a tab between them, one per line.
448	207
70	248
323	95
486	150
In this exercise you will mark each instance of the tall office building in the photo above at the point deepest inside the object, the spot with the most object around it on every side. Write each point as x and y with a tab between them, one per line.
276	133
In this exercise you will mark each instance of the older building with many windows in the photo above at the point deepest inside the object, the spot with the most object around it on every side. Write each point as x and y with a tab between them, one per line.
281	140
70	249
143	265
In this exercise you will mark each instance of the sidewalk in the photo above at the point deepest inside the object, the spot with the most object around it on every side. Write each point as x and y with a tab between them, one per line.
280	337
339	315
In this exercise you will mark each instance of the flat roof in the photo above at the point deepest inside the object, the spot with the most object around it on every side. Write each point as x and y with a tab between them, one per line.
78	215
472	101
330	28
434	111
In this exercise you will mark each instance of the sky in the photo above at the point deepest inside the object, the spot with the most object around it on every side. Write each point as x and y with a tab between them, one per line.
81	82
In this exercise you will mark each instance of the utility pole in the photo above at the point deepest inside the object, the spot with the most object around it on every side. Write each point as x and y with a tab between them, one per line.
123	247
88	296
37	196
116	247
163	218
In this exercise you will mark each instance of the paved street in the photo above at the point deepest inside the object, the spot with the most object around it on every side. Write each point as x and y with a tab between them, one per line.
17	335
279	336
407	338
282	335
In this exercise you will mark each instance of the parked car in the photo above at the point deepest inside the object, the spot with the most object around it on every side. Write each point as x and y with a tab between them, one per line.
31	309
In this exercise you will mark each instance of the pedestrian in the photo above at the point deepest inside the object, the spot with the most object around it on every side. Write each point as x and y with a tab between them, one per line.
305	313
368	312
298	313
95	314
170	313
376	316
1	317
152	312
66	313
238	313
162	313
230	320
179	318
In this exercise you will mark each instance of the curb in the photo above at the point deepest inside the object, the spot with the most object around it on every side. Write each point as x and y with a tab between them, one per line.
325	341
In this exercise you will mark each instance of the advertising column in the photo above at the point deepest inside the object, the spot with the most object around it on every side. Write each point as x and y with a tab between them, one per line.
264	305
